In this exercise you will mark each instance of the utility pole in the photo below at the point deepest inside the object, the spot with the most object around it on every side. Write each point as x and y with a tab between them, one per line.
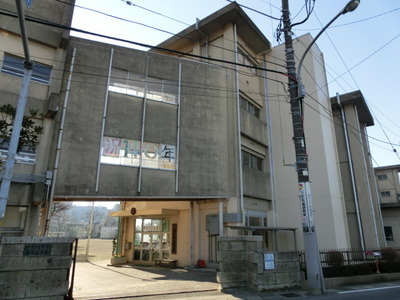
315	278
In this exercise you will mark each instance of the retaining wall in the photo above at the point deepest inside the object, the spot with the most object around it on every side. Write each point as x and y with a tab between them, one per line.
242	264
35	267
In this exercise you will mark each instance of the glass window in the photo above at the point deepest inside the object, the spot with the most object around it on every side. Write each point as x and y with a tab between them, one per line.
27	155
385	194
245	59
249	107
138	85
388	233
252	161
382	177
14	65
127	152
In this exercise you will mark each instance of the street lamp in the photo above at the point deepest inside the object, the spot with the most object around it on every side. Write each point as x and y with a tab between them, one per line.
315	278
351	6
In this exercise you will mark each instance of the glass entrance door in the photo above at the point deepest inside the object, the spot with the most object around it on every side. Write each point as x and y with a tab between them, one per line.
152	239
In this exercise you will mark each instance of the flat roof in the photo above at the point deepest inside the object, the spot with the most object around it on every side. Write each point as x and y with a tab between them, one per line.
392	167
356	98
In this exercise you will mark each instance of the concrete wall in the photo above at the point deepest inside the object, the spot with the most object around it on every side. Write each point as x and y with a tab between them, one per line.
242	265
34	268
327	196
206	142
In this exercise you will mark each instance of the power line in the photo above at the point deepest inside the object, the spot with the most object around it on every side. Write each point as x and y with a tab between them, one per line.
351	23
154	12
255	10
161	30
162	49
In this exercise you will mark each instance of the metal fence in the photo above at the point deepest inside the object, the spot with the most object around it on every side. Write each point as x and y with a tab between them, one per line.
350	256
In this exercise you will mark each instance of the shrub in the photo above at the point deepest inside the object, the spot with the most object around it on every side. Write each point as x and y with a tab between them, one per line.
390	255
334	259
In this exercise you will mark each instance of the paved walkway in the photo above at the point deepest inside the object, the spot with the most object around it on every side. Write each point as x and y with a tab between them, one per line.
97	280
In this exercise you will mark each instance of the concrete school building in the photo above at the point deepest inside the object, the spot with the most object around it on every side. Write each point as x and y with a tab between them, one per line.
389	193
193	147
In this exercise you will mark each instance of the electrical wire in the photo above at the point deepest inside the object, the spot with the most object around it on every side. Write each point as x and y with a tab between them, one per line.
161	49
255	10
154	12
159	29
351	23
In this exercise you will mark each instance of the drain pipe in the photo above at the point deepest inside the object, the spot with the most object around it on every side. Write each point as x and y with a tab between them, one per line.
239	136
351	167
270	140
59	142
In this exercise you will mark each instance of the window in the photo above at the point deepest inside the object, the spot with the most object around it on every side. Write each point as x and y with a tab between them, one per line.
252	161
249	107
14	65
246	60
27	155
388	233
135	84
128	152
382	177
385	194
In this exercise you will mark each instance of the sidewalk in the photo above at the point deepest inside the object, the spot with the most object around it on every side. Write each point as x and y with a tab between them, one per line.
97	280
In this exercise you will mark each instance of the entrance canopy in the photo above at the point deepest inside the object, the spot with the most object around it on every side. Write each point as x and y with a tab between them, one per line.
274	230
144	212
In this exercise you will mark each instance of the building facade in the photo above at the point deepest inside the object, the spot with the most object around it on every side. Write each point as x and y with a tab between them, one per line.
352	117
194	138
31	179
389	193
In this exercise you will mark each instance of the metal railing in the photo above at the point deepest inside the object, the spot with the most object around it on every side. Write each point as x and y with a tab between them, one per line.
350	256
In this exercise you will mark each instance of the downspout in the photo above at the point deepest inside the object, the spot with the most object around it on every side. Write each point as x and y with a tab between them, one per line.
59	142
143	125
269	138
239	136
351	167
178	130
103	123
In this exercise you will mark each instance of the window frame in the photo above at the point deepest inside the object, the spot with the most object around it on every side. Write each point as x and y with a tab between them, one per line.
14	65
139	85
249	107
382	177
253	161
385	194
388	233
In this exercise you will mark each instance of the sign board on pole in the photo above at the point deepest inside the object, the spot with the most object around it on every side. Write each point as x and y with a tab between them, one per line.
28	3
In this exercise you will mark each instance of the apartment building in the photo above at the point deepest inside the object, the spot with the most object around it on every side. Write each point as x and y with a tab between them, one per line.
389	195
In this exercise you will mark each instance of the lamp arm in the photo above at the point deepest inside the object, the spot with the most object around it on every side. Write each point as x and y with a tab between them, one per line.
300	84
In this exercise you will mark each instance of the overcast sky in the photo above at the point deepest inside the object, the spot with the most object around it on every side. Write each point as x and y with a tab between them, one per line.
361	48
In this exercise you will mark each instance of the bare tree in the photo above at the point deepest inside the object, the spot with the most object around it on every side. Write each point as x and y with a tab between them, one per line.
59	216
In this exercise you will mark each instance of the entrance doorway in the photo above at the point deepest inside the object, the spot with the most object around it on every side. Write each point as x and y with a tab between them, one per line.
152	239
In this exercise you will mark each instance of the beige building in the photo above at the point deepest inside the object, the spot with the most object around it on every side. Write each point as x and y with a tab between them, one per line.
352	117
194	138
31	179
389	195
